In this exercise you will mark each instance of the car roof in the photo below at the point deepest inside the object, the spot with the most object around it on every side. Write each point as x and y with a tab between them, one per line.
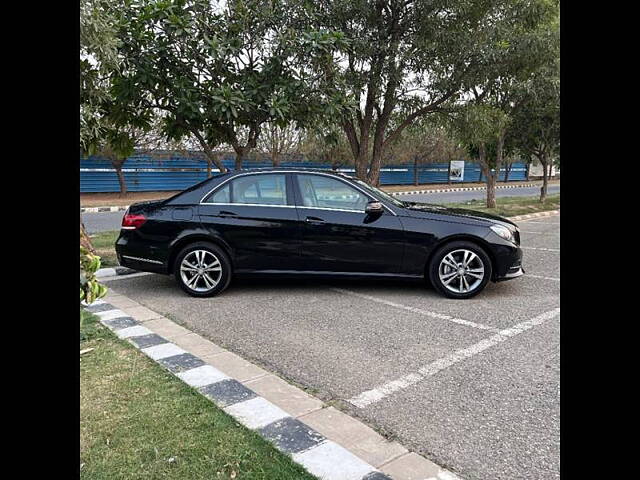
290	169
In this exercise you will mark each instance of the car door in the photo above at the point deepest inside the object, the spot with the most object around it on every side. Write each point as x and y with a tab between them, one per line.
254	213
337	234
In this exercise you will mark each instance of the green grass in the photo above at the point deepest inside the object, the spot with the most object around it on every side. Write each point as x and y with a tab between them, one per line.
104	243
139	421
512	206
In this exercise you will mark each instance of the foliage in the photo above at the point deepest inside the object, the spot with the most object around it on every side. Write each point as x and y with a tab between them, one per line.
326	144
413	58
98	58
218	70
90	288
425	141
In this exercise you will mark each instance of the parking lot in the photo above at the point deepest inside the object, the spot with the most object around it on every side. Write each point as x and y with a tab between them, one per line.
472	385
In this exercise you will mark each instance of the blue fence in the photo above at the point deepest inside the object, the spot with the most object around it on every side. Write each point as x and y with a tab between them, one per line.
146	173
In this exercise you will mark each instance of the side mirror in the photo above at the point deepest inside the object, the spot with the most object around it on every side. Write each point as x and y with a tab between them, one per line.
374	207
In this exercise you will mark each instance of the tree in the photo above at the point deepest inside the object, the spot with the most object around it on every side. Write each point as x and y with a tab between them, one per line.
425	141
219	70
536	129
277	141
414	57
326	144
483	128
98	59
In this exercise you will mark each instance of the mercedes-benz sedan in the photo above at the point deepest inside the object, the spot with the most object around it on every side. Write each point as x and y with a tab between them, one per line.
313	223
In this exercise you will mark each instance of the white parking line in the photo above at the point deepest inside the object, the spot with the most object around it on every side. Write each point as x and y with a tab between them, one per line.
543	278
376	394
124	277
540	233
537	221
419	311
557	250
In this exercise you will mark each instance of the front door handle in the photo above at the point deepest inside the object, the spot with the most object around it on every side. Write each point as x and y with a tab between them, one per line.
224	213
314	220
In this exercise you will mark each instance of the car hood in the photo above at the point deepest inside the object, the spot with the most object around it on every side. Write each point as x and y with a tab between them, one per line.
429	210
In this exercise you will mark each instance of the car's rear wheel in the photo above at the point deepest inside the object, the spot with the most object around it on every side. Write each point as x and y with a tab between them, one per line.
460	269
202	269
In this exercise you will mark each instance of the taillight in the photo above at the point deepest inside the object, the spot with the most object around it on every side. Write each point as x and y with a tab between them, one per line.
131	222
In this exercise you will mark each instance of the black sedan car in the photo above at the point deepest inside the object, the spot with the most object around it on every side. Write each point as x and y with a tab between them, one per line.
313	223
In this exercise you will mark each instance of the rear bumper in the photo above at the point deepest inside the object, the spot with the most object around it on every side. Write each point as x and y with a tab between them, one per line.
137	256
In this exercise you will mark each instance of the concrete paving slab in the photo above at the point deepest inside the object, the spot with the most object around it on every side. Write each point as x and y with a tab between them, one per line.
363	441
197	345
235	366
284	395
166	328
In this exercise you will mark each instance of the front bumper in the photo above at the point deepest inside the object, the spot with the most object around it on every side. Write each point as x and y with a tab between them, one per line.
514	272
508	262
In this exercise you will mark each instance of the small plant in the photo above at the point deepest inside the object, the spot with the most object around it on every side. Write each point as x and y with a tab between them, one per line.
90	288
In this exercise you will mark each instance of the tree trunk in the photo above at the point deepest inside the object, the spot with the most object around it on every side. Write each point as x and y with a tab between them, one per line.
449	174
209	174
543	189
491	189
121	180
491	177
508	171
275	158
528	169
415	170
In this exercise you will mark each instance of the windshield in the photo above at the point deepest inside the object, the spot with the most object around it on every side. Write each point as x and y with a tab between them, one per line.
379	193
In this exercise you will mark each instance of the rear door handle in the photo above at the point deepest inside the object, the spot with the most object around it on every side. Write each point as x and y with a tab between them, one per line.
314	220
224	213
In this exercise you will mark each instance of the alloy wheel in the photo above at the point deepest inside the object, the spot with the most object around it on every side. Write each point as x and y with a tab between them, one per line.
200	270
461	271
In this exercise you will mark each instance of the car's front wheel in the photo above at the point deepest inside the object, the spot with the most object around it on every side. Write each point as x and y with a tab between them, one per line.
202	269
460	269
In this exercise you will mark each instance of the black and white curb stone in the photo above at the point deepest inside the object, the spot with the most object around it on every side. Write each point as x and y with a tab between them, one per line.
462	189
320	456
103	209
548	213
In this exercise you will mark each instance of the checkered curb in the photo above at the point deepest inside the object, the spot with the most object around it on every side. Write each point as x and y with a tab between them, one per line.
463	189
103	209
320	455
548	213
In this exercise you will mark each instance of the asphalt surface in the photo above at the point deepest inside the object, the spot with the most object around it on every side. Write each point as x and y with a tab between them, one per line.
105	221
458	197
491	415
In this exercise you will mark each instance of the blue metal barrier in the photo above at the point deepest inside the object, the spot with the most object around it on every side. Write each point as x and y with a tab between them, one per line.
145	173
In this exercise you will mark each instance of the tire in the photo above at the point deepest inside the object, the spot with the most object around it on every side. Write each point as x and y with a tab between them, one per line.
439	270
213	257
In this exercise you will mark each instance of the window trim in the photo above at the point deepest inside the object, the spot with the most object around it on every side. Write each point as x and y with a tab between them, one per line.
294	195
215	190
366	194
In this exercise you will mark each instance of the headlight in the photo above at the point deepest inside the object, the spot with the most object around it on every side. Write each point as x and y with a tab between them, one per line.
503	232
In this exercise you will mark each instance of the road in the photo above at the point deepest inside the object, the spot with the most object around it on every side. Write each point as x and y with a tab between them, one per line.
458	197
472	385
105	221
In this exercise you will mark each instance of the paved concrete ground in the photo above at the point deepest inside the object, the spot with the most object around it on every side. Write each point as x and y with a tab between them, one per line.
105	221
472	385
